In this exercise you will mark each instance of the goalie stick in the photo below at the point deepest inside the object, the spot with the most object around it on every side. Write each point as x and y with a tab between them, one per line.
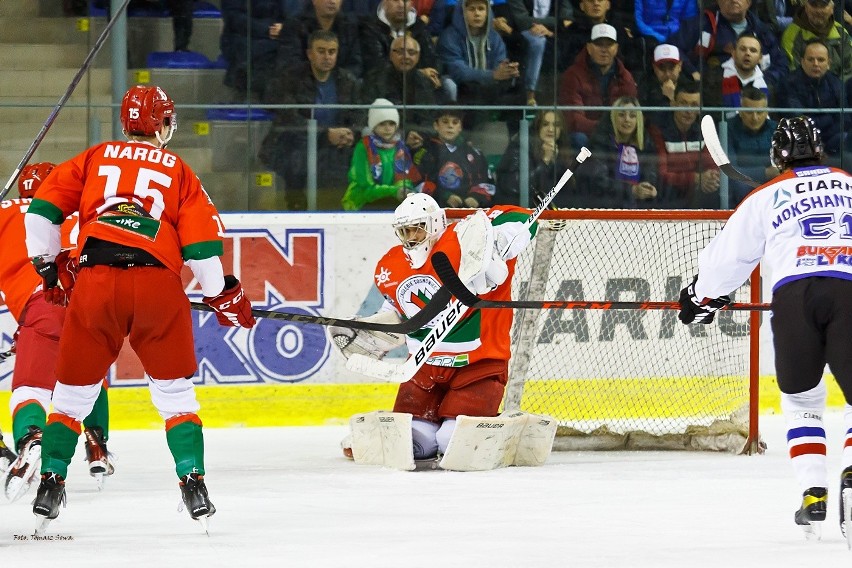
402	372
714	146
419	320
450	278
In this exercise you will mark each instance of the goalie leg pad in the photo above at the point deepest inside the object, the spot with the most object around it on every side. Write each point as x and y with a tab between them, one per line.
486	443
383	438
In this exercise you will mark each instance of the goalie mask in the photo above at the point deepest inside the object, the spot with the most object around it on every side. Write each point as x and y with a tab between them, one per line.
795	139
144	112
418	223
31	177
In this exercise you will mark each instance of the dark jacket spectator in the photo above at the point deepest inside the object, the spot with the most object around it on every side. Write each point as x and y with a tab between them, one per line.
596	78
320	15
378	31
814	20
809	92
720	37
399	81
249	42
748	151
285	147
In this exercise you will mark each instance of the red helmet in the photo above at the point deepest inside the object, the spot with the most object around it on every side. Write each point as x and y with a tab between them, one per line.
144	111
31	177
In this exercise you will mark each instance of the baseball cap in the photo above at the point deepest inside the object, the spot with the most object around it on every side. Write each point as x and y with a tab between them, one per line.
605	31
666	52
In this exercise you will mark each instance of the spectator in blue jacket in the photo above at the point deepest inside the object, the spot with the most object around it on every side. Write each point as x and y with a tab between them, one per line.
660	19
749	141
708	41
474	59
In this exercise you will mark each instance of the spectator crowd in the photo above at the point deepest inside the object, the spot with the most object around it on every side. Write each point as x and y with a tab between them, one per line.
405	94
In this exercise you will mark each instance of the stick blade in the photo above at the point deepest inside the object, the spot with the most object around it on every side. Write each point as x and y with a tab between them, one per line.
711	140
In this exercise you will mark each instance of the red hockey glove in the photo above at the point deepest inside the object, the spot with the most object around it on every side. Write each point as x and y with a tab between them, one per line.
58	277
232	307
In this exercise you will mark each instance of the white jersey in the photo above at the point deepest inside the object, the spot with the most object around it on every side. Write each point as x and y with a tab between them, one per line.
798	225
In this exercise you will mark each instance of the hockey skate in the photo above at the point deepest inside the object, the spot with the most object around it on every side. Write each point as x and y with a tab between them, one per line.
100	460
25	469
846	505
195	499
7	458
50	495
812	512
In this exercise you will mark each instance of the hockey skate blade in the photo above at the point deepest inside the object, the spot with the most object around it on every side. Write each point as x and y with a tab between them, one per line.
846	501
41	524
204	521
100	480
813	531
17	486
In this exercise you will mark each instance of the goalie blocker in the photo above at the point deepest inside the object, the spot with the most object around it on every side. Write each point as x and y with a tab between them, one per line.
477	444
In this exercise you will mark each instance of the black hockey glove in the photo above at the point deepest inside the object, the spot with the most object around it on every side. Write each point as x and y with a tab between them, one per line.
692	309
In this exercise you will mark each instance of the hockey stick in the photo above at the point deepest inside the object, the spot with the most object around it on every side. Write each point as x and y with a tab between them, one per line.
714	146
450	278
47	124
402	372
419	320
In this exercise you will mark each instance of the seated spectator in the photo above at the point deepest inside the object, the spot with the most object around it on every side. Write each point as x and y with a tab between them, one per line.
815	20
708	41
538	23
249	44
658	20
689	179
284	150
474	59
657	89
572	40
622	172
596	78
391	19
382	172
455	173
399	81
322	15
548	159
813	86
749	141
722	85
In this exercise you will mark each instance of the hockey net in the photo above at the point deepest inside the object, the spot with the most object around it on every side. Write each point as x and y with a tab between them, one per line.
631	379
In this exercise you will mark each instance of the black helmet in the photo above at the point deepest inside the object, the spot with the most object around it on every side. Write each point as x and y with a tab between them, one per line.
795	139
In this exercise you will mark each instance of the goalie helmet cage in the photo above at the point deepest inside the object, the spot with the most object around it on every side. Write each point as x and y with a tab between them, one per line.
631	379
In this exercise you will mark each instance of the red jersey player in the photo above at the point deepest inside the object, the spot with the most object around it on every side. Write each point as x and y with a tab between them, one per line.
143	214
40	318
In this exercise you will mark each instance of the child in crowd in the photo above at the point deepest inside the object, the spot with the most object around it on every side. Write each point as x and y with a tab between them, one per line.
455	173
382	172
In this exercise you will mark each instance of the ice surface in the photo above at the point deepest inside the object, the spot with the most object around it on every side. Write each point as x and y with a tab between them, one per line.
286	497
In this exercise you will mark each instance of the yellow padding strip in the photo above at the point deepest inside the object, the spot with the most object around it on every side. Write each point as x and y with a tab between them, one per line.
316	405
248	405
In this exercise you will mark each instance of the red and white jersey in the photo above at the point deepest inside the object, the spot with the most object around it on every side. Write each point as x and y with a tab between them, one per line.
135	194
799	224
18	278
481	334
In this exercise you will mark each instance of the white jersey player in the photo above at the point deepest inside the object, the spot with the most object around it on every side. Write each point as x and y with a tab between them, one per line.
799	225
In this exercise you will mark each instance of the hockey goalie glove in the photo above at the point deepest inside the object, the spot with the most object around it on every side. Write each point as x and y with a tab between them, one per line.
367	342
232	307
693	309
57	277
511	239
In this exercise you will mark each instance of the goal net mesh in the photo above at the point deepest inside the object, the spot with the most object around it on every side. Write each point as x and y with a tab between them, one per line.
627	379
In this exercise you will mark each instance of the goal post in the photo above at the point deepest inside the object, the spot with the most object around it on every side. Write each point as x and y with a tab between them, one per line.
631	379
